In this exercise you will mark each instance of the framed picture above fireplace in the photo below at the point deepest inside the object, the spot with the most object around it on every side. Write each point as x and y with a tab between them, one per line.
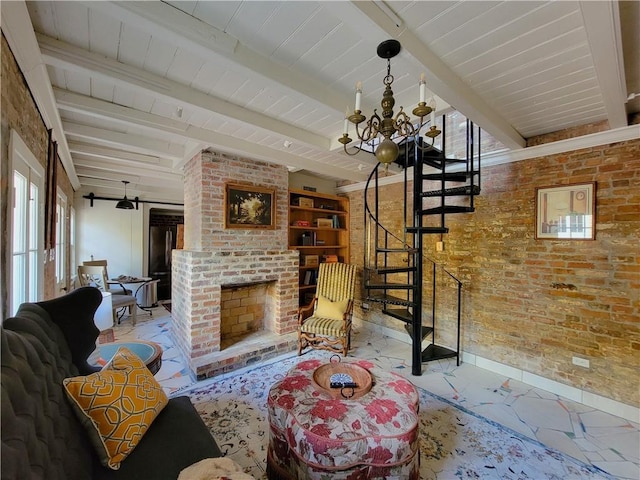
249	206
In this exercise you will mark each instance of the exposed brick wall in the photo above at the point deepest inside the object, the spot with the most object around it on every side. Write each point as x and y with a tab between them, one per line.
20	113
194	203
19	110
579	131
165	220
205	179
514	312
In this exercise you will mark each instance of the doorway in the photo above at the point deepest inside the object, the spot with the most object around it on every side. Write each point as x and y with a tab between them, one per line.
163	233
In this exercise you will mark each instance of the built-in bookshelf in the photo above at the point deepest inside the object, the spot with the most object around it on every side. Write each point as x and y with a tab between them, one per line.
319	229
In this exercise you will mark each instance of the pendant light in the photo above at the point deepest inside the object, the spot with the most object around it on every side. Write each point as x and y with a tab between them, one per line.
125	204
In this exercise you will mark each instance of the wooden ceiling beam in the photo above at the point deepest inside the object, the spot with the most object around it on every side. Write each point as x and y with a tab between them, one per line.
65	56
100	108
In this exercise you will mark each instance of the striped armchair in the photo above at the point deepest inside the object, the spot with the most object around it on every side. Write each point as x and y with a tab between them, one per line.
329	326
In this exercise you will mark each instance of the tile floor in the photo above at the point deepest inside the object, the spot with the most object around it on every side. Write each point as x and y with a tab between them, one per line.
592	436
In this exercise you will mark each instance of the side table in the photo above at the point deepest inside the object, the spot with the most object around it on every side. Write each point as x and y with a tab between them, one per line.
149	352
313	435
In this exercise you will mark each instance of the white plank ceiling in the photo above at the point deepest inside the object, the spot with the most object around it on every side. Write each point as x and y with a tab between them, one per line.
138	87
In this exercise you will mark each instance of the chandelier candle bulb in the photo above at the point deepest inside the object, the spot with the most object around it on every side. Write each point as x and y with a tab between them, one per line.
358	96
422	88
346	122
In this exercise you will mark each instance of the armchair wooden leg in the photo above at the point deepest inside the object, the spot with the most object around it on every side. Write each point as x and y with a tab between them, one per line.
300	344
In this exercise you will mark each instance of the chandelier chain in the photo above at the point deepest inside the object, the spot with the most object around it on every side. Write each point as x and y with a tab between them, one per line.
388	80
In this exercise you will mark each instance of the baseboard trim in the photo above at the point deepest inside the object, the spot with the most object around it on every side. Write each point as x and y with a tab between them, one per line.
608	405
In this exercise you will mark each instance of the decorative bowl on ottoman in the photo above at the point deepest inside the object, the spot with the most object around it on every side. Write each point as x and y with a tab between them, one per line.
315	434
342	379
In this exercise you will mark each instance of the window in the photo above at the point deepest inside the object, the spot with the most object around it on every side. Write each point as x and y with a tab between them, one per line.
27	240
61	239
72	240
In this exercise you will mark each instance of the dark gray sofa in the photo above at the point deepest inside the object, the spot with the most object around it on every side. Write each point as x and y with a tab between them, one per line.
41	436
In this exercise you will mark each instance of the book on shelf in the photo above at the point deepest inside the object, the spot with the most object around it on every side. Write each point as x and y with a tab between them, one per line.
307	277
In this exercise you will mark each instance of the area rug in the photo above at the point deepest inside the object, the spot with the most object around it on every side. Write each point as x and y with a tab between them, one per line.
454	443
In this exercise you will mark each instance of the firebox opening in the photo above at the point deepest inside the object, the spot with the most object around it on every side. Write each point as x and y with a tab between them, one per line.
242	312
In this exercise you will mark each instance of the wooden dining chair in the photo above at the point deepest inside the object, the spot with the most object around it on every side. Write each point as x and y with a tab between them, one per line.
120	289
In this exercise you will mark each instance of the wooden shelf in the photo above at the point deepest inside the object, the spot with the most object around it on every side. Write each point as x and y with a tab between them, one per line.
336	238
318	210
306	247
298	227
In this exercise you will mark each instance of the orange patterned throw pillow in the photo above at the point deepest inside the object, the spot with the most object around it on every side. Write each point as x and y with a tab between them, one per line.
116	405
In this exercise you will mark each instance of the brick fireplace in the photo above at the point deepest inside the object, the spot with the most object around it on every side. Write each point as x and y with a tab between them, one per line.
215	260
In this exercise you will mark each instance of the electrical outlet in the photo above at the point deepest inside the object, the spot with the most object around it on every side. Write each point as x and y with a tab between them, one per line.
439	246
365	306
581	362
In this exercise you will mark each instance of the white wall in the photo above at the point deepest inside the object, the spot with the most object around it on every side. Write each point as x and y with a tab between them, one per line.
108	233
298	180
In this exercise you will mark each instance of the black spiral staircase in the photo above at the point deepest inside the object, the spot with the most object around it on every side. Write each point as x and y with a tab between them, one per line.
397	274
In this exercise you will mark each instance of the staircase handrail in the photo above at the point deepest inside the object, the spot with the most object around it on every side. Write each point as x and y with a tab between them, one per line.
368	210
387	232
441	265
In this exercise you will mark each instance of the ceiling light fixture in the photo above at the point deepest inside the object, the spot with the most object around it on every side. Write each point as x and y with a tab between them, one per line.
388	126
125	204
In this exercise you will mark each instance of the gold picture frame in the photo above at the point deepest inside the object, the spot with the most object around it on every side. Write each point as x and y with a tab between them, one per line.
566	212
249	206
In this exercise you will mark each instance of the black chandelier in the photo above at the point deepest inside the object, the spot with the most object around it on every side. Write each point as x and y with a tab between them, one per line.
388	127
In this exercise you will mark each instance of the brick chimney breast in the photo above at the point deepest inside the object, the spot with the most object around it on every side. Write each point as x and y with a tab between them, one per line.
215	257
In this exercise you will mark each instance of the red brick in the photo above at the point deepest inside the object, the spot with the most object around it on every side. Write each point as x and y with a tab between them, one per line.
503	317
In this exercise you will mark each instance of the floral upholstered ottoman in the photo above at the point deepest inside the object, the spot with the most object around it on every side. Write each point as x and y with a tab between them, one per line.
316	436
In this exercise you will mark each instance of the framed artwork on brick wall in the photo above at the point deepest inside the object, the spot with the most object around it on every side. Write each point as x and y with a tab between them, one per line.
566	212
249	206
